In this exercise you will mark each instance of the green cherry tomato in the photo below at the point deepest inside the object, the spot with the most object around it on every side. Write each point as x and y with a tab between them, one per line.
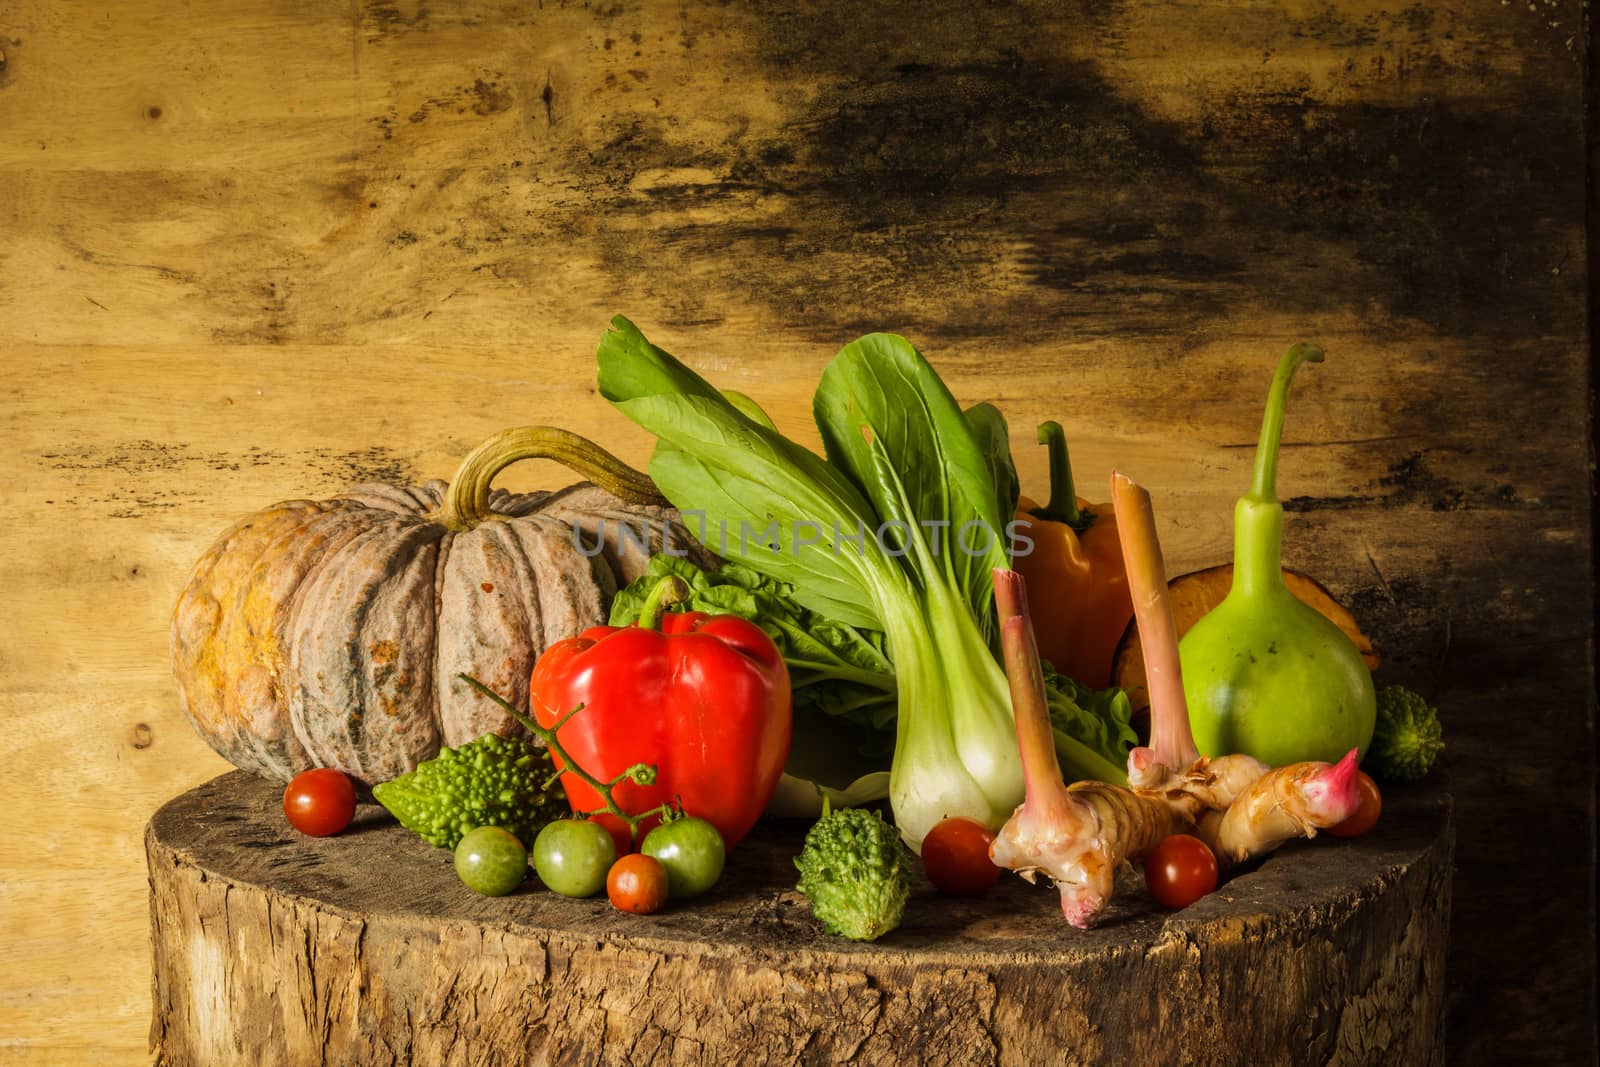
490	860
572	856
691	850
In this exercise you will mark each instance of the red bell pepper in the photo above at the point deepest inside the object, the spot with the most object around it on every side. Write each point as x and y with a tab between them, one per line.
704	698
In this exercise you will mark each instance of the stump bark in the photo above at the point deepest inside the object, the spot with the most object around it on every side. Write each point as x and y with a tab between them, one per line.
273	948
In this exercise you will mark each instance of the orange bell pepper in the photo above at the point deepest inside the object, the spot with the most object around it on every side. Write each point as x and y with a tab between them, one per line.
1077	583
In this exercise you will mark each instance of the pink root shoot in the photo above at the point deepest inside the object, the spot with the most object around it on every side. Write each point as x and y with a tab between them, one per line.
1332	795
1172	746
1046	790
1145	769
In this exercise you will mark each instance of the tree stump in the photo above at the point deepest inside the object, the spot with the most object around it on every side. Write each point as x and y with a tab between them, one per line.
274	948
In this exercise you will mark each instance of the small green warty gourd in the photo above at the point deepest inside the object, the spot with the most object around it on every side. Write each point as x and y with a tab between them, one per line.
856	871
1264	673
1407	739
493	781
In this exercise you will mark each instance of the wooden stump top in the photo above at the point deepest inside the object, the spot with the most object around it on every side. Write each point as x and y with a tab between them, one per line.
1331	946
233	828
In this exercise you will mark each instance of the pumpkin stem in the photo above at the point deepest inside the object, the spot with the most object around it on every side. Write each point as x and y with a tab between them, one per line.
466	502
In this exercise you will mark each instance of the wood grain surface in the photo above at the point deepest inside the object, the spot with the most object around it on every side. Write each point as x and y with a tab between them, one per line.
273	948
259	249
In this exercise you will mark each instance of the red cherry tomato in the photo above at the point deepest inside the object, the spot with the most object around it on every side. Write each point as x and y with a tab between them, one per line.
1367	814
1180	870
320	802
956	856
637	883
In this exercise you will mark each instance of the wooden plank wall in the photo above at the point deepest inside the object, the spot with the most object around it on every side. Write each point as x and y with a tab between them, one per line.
254	249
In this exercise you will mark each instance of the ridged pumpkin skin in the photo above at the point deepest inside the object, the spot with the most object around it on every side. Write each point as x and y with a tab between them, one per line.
332	633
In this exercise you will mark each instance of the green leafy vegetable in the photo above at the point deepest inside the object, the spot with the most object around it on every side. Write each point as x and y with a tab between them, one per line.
994	439
493	781
856	872
763	497
1088	724
897	533
1407	738
888	420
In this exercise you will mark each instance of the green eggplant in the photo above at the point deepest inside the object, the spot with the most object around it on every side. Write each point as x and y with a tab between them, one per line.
1264	673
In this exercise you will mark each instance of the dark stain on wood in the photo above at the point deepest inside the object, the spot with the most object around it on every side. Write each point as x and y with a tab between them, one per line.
1448	251
380	464
1120	221
388	17
1414	481
136	493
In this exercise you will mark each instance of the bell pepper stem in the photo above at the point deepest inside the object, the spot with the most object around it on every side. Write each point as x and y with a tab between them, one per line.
667	592
1063	505
638	774
466	501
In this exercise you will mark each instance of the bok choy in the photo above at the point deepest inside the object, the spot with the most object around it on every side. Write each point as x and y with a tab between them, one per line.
897	530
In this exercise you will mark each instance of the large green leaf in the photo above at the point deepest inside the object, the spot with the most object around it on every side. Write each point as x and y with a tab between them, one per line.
994	439
630	366
887	418
763	500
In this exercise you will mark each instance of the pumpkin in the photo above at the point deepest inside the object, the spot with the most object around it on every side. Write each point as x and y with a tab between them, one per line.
332	633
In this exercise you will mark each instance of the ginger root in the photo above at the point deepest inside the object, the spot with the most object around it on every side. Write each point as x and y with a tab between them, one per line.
1289	802
1080	836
